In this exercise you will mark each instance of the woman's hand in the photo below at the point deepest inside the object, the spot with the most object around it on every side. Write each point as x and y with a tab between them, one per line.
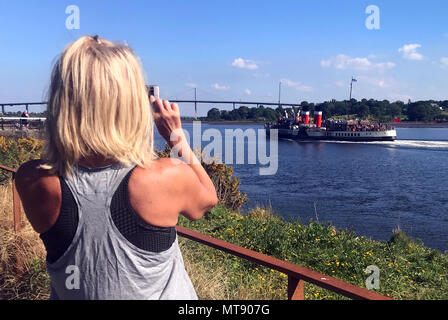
167	119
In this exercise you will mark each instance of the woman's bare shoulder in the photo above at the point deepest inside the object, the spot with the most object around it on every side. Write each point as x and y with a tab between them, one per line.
164	167
31	179
157	191
40	192
167	173
31	173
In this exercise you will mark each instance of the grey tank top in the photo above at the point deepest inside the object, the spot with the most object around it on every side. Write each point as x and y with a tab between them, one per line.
100	263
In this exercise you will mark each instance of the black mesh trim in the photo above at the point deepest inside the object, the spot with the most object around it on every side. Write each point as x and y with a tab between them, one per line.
132	226
60	236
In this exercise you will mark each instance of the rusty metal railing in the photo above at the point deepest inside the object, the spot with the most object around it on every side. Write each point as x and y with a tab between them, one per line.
16	204
297	275
17	212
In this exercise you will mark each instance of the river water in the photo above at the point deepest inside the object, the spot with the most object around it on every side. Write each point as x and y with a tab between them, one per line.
370	188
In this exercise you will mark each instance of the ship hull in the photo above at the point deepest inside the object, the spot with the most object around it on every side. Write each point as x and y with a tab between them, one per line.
388	135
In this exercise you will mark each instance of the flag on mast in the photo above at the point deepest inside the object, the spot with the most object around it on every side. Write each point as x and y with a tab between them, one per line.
354	80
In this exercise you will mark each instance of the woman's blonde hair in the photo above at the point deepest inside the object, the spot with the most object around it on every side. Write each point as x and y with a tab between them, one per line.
98	105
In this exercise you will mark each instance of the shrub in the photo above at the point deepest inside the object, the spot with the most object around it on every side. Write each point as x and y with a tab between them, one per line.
14	151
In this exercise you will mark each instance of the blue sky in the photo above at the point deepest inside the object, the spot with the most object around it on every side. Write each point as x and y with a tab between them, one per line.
241	50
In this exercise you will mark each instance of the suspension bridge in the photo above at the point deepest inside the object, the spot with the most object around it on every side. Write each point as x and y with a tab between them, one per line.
28	105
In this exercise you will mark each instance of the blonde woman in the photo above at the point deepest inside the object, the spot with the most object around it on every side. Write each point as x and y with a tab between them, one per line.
104	206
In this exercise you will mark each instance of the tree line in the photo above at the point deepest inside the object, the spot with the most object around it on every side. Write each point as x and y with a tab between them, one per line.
384	111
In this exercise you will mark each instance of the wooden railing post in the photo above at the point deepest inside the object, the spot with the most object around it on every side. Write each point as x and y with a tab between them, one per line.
295	288
17	211
16	206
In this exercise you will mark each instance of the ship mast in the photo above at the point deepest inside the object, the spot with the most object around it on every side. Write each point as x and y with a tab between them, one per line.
351	87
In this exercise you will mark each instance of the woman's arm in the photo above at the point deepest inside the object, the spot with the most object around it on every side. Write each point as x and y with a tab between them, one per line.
199	191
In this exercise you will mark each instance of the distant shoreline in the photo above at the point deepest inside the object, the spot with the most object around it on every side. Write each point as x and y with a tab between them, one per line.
420	124
398	125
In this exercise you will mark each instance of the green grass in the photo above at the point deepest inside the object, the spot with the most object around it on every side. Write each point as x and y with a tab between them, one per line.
408	269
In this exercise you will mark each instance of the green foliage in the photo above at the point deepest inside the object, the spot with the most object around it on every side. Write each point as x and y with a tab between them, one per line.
213	114
226	185
243	113
14	152
376	110
422	112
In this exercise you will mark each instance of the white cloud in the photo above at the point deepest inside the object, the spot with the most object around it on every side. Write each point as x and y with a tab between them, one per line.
345	62
444	61
219	87
377	82
409	51
262	75
244	64
248	92
296	85
191	85
382	84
